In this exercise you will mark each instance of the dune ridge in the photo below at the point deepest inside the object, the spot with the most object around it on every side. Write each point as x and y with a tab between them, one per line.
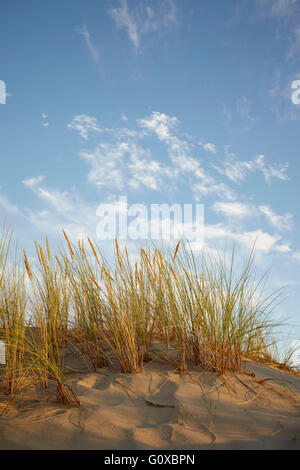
159	409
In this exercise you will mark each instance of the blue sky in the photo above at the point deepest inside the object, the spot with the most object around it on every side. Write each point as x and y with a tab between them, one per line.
162	101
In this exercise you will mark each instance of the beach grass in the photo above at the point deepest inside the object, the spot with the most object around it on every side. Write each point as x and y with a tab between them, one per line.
204	311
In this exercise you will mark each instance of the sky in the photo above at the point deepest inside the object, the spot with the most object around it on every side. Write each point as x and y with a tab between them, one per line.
161	101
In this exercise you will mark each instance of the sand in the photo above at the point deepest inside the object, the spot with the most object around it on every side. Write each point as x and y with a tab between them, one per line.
159	409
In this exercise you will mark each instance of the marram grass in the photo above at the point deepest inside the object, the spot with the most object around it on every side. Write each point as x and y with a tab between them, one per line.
202	311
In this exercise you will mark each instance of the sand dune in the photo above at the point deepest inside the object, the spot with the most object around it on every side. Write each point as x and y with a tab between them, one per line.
158	409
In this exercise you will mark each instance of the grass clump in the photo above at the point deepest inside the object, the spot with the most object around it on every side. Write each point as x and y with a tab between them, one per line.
49	321
222	307
87	324
12	316
209	312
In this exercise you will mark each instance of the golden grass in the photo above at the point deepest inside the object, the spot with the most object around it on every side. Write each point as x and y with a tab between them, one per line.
210	312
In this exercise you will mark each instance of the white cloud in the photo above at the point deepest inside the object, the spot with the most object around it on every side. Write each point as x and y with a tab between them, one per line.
226	112
286	11
84	125
243	108
143	19
209	187
280	222
166	127
44	117
115	164
277	8
269	171
263	241
296	255
34	181
124	163
295	46
57	199
233	209
209	147
125	19
57	210
275	88
107	164
232	167
91	47
284	248
236	170
145	171
54	198
125	133
161	124
60	210
164	17
240	210
7	205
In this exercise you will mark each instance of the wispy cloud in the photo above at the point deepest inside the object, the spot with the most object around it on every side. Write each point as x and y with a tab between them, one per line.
277	8
84	125
122	162
233	209
113	165
263	241
60	209
166	127
144	171
236	170
295	44
243	108
34	181
125	19
144	19
269	171
94	52
116	159
106	164
226	113
238	116
280	222
239	210
275	87
122	158
209	147
45	123
286	12
208	186
296	255
7	206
